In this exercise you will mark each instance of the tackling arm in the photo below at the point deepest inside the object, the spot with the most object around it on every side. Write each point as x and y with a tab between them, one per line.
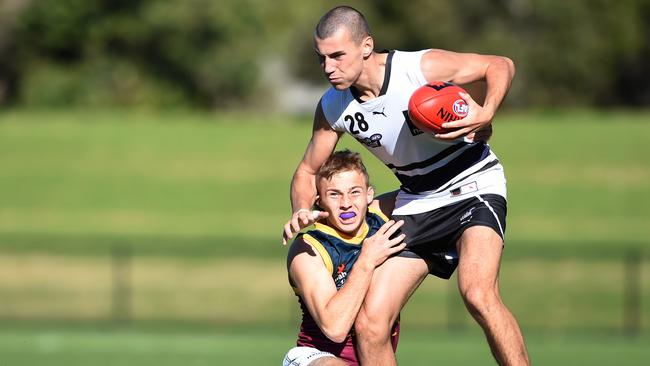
335	311
303	185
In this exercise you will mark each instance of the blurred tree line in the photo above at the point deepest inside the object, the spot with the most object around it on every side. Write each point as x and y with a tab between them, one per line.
212	53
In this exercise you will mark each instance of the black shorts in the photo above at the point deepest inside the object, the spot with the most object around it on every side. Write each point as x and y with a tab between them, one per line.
432	235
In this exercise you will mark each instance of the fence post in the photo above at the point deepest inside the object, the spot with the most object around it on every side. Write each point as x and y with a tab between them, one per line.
121	289
632	293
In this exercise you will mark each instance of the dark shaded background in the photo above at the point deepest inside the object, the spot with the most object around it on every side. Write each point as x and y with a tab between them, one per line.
216	54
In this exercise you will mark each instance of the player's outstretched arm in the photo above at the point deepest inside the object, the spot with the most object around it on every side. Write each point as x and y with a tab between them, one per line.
303	186
335	311
463	68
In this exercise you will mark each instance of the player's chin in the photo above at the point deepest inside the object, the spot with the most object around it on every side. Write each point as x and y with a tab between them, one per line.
348	225
348	229
339	84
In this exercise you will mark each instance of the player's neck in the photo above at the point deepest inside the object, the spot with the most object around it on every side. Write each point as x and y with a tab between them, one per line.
369	83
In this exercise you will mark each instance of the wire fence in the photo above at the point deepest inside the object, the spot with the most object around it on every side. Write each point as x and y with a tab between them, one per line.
559	294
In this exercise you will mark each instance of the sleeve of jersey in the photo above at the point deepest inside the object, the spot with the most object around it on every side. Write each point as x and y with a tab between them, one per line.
413	68
332	105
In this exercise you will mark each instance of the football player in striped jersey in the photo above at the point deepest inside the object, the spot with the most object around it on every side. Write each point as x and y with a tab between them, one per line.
452	197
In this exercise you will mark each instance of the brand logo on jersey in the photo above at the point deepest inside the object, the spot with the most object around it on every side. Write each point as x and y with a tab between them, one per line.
380	113
414	130
372	141
461	108
340	268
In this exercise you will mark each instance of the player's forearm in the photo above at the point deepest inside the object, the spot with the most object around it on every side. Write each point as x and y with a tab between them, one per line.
303	190
342	309
499	75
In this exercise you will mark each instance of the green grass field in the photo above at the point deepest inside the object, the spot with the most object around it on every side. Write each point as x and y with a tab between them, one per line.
110	347
200	201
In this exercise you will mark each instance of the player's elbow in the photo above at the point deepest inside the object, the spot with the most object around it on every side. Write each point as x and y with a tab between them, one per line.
302	180
304	170
337	337
509	65
336	334
304	174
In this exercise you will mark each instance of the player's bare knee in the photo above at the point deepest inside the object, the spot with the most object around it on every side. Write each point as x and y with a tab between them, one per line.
480	299
372	330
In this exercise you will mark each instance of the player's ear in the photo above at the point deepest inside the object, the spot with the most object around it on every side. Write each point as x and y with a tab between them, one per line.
368	45
317	202
370	194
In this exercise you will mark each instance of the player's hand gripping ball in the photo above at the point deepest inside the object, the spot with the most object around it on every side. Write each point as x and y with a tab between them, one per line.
433	104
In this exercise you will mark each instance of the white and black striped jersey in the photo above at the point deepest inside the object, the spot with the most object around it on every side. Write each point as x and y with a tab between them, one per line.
428	169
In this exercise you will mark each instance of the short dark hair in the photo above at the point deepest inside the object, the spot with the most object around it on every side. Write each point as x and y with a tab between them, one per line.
343	16
342	161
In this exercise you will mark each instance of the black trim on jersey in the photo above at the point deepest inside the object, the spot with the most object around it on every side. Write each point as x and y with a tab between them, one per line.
438	177
384	86
483	168
423	164
389	62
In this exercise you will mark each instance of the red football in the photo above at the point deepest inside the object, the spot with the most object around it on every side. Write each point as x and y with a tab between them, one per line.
433	104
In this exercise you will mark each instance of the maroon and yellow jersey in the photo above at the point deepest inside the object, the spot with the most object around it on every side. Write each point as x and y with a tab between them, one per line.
339	253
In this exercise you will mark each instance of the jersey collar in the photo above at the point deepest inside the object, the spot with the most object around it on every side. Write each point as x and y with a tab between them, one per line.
384	86
350	239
